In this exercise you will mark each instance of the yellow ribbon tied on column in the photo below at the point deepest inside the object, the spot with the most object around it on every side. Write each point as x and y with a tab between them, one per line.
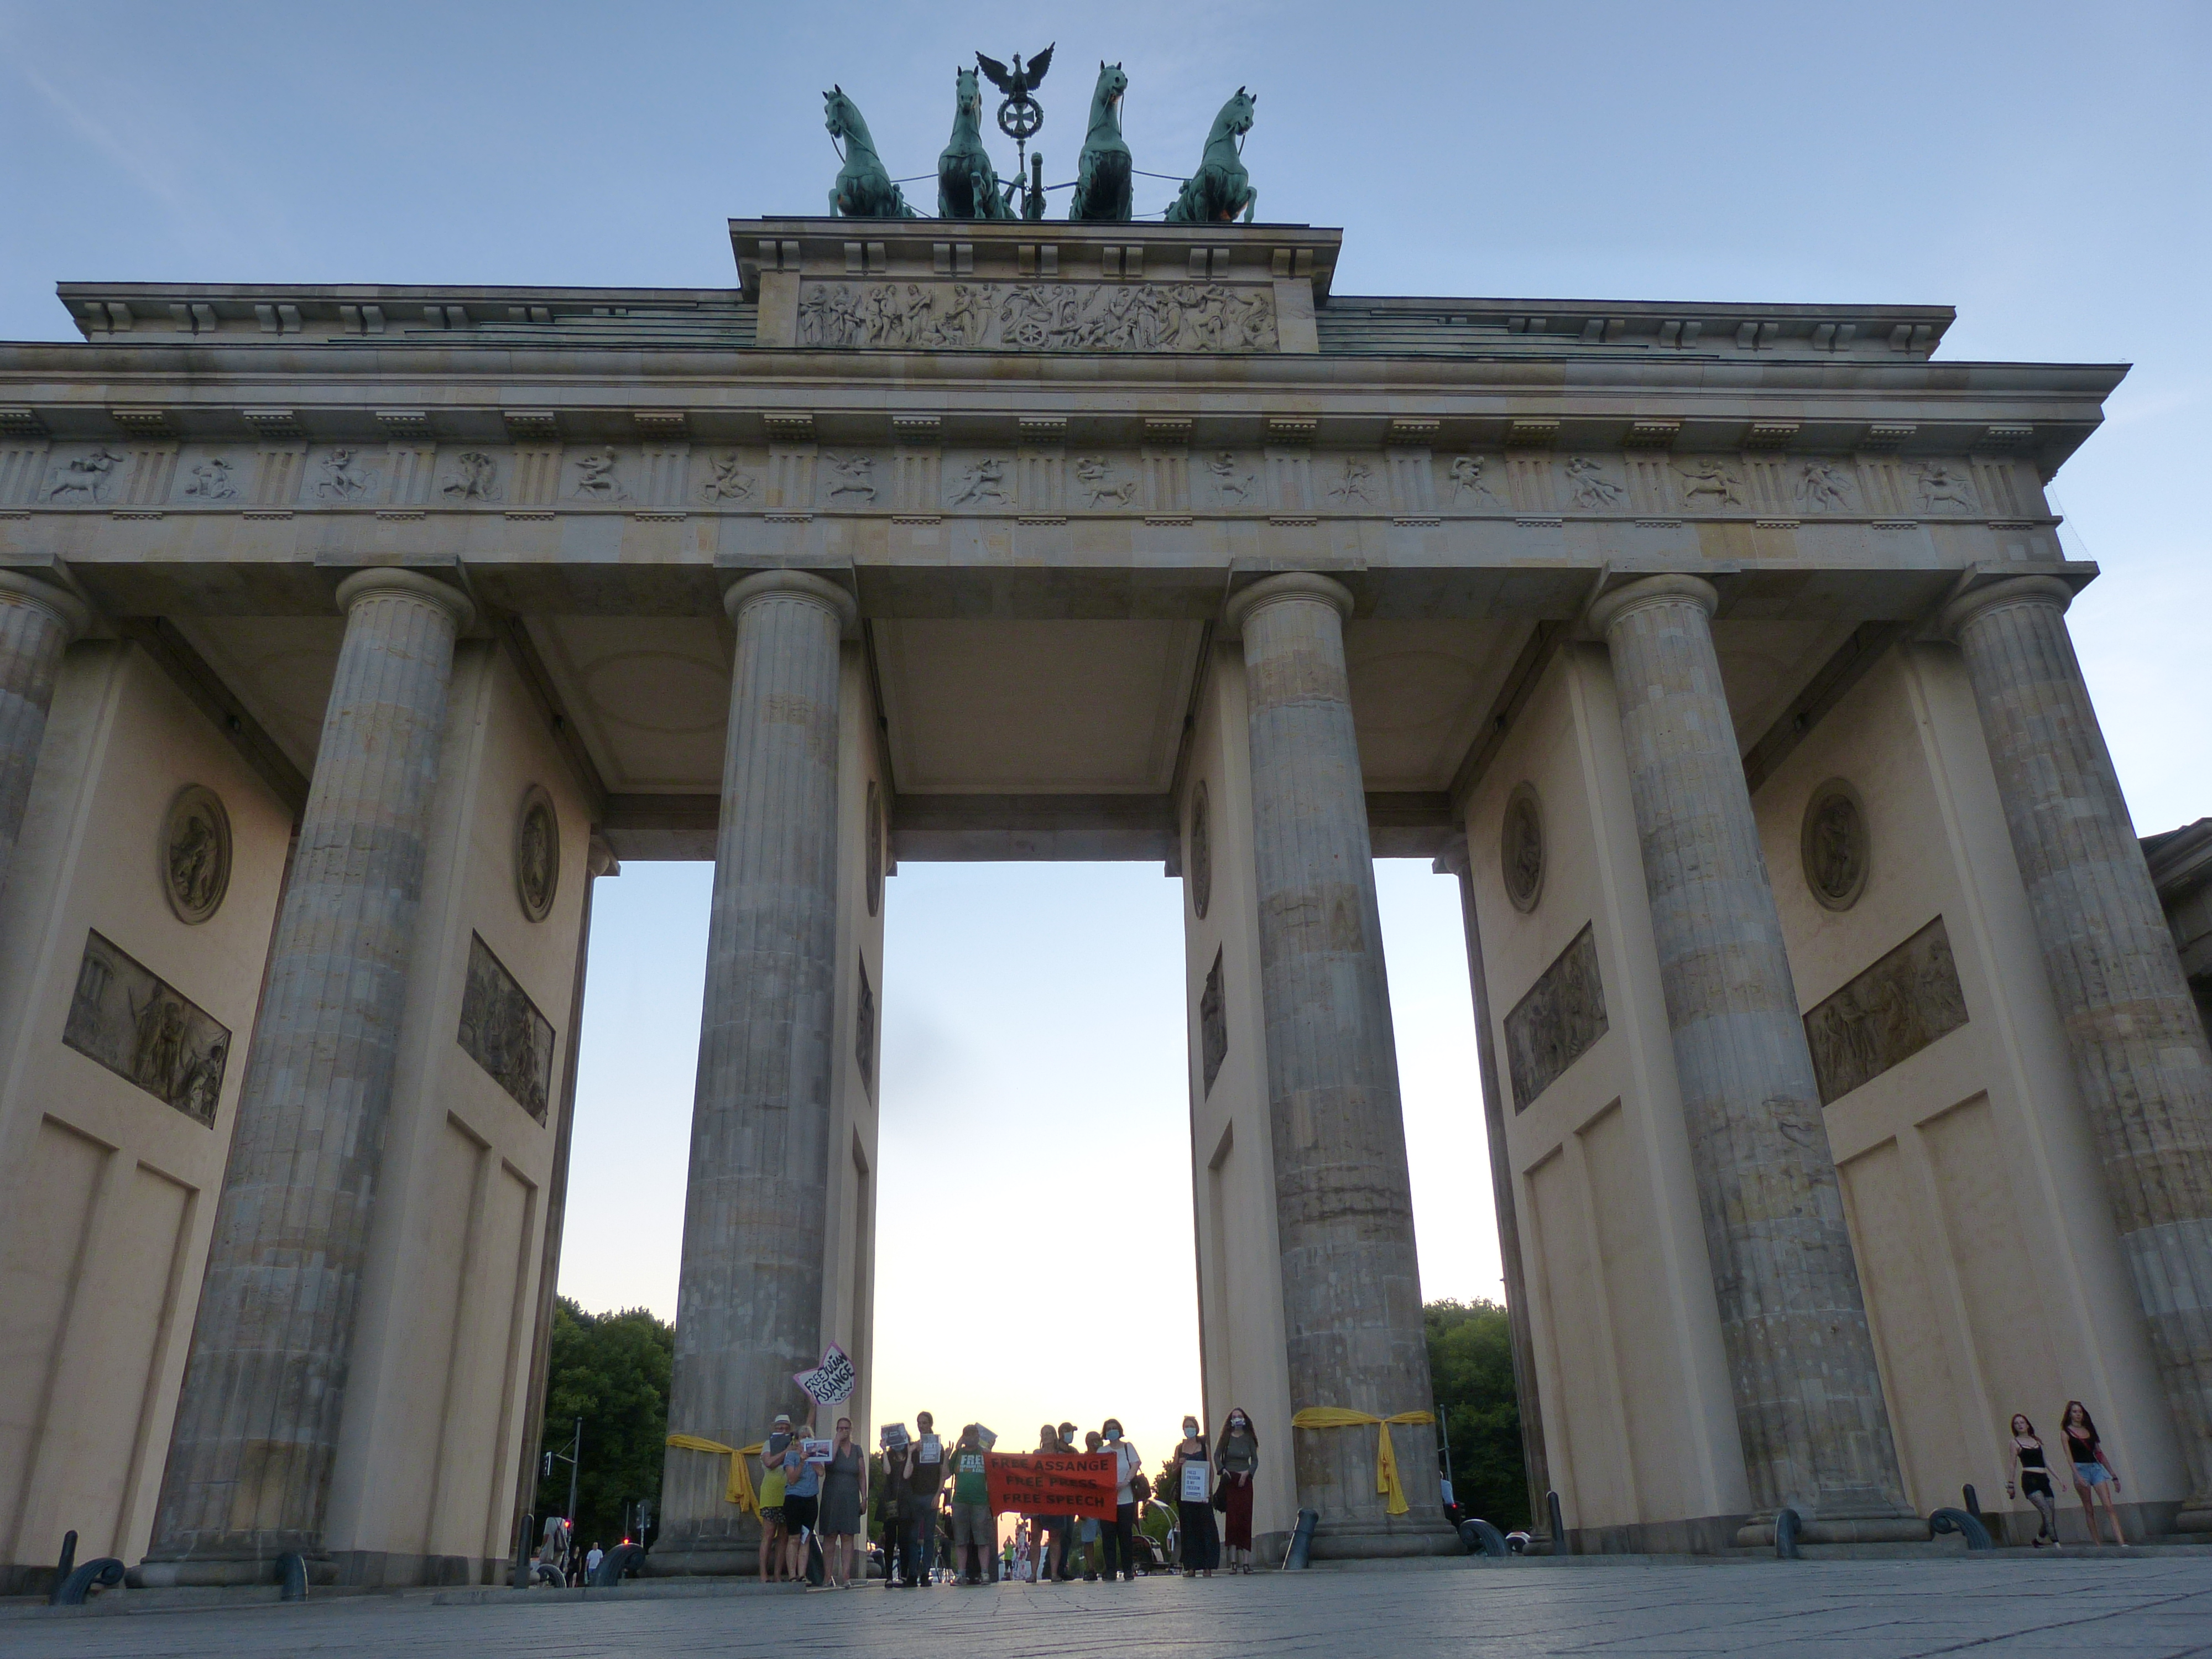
739	1491
1386	1458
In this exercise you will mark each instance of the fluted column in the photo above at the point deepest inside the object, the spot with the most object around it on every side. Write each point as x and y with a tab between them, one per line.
749	1301
257	1429
1351	1297
1808	1399
2139	1057
37	623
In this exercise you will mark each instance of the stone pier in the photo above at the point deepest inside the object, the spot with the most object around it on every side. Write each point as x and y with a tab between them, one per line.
1344	1208
257	1420
749	1301
37	623
2139	1049
1808	1397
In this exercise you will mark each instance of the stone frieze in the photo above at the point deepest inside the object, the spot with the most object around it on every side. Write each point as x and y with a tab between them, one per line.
1038	317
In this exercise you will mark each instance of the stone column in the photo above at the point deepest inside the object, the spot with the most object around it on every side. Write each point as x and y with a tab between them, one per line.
2139	1049
1351	1297
749	1301
256	1430
37	623
1808	1400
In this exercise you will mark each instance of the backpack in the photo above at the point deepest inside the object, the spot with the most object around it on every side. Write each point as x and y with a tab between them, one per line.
1140	1487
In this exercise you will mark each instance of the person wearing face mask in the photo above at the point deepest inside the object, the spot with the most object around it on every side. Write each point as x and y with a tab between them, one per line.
1191	1469
1236	1462
1117	1537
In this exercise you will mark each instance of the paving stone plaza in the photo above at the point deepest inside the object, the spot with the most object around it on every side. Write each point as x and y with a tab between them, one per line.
2156	1603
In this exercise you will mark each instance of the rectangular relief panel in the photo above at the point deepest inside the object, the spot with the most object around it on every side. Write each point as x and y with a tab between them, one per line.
1888	1014
864	1031
1555	1023
1212	1023
146	1031
504	1033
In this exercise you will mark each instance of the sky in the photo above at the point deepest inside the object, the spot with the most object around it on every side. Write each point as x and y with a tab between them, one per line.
2042	167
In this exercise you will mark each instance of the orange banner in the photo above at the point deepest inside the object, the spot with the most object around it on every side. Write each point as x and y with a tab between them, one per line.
1043	1483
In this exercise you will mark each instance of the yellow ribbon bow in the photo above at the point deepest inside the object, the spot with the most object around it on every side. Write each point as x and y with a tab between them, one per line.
1386	1459
740	1488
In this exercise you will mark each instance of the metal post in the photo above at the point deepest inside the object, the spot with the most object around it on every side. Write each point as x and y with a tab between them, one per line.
576	1463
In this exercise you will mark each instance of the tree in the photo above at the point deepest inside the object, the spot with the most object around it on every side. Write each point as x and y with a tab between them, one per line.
1471	1364
612	1371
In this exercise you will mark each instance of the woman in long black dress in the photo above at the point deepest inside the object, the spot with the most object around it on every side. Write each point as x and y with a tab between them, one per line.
1192	1470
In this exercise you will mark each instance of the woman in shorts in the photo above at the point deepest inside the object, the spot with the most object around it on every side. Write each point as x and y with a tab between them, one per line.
771	1497
2092	1476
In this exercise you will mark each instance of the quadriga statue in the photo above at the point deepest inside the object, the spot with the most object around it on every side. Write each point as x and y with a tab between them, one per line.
1103	176
1221	189
864	188
967	184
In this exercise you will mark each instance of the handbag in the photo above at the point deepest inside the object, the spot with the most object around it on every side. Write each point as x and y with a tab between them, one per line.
1221	1492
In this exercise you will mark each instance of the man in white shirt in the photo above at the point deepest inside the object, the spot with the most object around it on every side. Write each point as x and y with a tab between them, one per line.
592	1557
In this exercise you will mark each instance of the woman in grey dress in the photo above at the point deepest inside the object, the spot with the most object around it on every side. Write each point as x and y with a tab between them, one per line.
844	1500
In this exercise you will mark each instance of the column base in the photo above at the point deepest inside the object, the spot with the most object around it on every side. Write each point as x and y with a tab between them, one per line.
1370	1540
2194	1516
1840	1530
223	1572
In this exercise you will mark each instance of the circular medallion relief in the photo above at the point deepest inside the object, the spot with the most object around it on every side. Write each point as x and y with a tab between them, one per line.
1521	847
537	853
1201	854
875	849
196	853
1834	845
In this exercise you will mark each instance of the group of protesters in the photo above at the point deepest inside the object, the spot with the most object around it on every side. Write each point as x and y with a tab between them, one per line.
934	1502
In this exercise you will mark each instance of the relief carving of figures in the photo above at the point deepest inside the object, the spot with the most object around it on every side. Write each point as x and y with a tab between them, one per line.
729	481
1832	844
984	481
503	1032
852	475
1095	475
1890	1013
1038	317
1709	478
1354	486
1824	487
86	478
145	1031
196	852
1557	1022
340	481
211	481
1594	491
1467	477
475	478
595	477
1231	481
1946	486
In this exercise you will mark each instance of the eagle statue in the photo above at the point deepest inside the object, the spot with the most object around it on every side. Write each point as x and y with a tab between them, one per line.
1018	83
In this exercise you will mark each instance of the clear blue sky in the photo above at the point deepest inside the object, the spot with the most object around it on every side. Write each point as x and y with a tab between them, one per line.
2043	167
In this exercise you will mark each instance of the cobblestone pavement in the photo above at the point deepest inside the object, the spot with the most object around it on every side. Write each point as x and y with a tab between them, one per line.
2160	1604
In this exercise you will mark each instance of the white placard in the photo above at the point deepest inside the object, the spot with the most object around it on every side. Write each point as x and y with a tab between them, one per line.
1193	1481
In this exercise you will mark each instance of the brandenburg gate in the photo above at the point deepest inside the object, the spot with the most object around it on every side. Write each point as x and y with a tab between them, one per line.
1843	1090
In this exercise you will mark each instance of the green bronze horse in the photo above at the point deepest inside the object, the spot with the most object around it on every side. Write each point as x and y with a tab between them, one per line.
864	188
1221	189
1102	175
967	184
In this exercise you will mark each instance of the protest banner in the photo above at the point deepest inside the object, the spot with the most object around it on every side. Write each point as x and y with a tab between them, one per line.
1048	1483
1194	1474
894	1437
832	1380
816	1451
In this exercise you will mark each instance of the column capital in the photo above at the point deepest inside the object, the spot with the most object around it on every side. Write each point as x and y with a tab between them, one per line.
2012	589
1291	585
1673	588
64	607
409	584
792	583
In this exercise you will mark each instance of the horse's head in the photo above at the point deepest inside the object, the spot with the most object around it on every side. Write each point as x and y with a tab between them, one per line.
837	112
1237	114
967	92
1112	83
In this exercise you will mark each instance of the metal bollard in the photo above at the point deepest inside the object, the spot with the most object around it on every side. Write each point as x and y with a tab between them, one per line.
292	1573
64	1568
1785	1534
1559	1524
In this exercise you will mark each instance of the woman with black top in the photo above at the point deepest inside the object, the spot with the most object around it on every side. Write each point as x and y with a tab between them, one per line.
1238	1460
2034	1479
1191	1469
2092	1475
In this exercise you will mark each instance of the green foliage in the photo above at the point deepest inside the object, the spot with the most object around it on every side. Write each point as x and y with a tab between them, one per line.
611	1369
1471	1362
